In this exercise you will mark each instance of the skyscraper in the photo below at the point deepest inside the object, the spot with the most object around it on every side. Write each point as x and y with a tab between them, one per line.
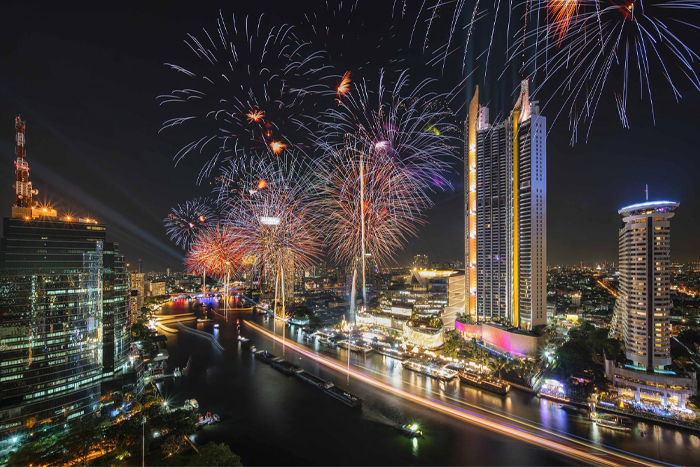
505	214
642	309
63	314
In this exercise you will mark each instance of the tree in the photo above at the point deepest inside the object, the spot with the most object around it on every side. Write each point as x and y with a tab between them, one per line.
212	454
574	356
172	445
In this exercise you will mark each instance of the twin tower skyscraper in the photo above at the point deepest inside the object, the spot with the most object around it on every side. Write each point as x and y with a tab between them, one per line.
505	205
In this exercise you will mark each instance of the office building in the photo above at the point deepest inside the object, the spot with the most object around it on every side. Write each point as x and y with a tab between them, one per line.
63	314
506	218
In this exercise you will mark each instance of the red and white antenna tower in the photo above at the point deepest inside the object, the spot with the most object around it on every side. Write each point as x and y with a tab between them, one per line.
24	193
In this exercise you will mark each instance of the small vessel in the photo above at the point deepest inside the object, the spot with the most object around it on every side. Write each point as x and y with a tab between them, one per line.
487	383
177	373
191	404
216	326
614	422
573	409
343	396
204	320
430	369
356	348
412	430
243	339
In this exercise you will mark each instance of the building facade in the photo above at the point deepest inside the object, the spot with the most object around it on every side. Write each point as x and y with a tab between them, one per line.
506	216
64	302
643	306
51	330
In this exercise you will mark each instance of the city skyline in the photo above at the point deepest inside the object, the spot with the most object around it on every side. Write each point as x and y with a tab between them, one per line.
460	232
76	150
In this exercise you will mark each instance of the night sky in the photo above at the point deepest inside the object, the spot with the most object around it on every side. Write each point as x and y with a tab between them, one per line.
85	77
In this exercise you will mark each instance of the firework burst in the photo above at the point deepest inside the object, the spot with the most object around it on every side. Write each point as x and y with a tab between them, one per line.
187	219
215	251
243	89
376	191
411	126
592	47
269	210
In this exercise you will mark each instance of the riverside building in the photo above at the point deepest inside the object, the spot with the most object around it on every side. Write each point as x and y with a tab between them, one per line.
506	222
642	310
64	330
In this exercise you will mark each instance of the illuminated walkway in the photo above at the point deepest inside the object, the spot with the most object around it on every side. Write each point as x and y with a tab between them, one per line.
576	449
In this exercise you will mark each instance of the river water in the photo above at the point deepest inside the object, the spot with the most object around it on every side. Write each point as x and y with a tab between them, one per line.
272	419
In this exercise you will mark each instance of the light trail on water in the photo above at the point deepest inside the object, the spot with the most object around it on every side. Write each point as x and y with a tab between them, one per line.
575	449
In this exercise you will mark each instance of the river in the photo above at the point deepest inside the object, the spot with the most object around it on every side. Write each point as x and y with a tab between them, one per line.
272	419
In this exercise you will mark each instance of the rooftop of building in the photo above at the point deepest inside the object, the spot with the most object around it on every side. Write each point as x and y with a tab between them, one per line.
654	206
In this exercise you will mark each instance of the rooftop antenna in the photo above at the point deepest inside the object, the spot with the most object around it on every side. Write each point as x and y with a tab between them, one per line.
646	191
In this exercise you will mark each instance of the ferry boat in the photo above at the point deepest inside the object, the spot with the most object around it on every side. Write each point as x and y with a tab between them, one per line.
343	396
285	367
412	430
614	422
487	383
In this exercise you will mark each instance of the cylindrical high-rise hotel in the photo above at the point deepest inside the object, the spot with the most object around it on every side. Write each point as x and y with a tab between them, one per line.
642	309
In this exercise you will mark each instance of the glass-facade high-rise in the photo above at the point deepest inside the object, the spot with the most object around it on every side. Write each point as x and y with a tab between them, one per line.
51	322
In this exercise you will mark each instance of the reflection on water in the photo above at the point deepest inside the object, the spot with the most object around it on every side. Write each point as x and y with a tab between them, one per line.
270	418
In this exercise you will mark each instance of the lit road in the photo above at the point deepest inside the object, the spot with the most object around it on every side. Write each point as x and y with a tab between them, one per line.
577	449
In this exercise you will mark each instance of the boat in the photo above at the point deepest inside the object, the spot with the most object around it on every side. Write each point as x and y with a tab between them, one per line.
265	356
327	342
487	383
343	396
356	348
191	404
429	369
285	367
412	430
204	320
311	379
177	373
216	326
573	409
208	419
243	339
614	422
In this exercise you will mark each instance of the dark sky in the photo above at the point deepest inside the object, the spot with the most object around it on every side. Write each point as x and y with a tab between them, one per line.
85	77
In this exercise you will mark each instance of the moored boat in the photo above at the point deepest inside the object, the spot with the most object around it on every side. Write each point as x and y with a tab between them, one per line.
487	383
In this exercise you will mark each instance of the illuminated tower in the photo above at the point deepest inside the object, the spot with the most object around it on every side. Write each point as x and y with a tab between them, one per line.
470	208
506	238
24	193
643	305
